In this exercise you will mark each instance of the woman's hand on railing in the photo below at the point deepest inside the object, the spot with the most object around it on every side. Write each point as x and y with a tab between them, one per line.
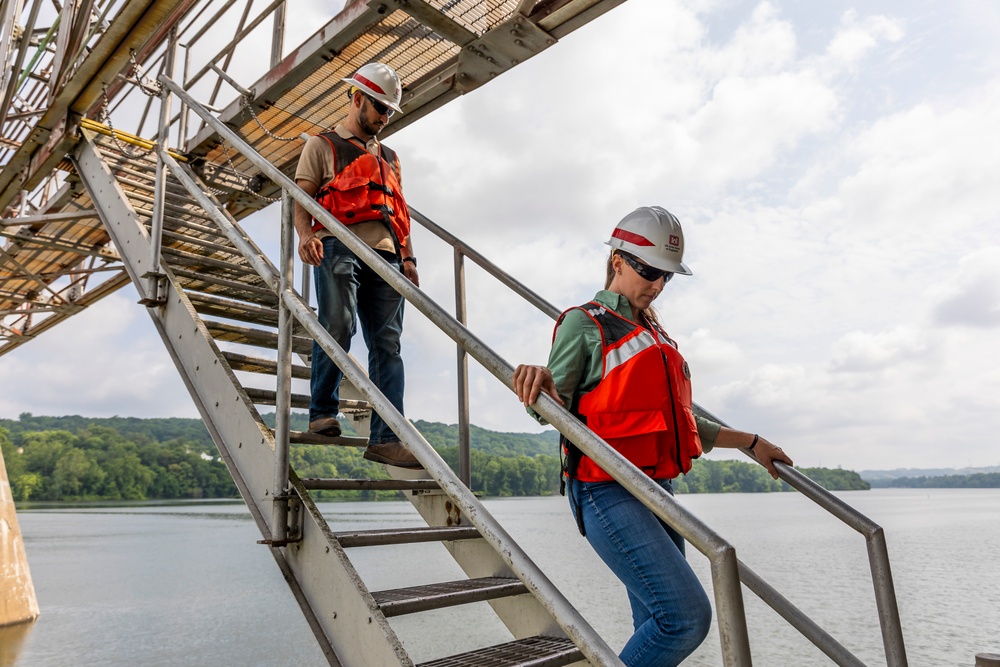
530	381
767	453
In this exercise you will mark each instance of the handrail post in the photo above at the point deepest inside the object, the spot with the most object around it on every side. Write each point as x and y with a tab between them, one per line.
283	403
156	281
885	600
464	438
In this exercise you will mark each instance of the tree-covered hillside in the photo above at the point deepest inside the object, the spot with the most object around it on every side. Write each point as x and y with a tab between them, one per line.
79	458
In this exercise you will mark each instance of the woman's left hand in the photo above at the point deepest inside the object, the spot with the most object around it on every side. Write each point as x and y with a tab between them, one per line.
767	453
530	381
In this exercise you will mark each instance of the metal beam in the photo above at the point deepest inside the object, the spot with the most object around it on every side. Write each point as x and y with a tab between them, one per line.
48	141
48	217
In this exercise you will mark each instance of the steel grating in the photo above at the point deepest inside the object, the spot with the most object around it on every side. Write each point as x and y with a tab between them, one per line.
529	652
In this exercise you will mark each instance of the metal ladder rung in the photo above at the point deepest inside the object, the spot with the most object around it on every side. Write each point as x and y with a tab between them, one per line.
307	438
415	599
248	364
233	333
527	652
388	536
320	484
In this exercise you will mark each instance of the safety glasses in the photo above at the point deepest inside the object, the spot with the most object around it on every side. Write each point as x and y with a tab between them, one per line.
380	109
645	271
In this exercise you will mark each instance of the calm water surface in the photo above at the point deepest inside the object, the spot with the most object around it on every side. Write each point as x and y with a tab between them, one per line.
187	585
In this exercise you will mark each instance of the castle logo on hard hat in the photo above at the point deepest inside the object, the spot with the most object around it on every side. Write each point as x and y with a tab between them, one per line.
674	241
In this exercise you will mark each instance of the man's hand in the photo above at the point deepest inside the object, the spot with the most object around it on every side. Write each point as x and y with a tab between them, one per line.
410	271
310	250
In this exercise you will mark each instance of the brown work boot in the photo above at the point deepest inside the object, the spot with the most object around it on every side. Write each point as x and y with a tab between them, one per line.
393	454
328	426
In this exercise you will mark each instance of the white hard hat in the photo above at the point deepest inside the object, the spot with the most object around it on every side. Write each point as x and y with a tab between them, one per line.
654	235
380	82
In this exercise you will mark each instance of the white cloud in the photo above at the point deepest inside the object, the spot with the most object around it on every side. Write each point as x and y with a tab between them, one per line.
971	297
858	36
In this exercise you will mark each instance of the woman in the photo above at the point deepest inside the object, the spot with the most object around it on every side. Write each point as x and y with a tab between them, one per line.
613	365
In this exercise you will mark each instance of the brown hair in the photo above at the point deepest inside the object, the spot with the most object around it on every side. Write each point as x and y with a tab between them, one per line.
648	313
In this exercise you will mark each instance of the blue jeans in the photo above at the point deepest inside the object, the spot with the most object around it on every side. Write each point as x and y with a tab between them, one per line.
348	290
671	613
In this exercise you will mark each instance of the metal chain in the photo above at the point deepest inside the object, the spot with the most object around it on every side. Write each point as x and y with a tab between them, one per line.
249	107
150	87
244	179
105	117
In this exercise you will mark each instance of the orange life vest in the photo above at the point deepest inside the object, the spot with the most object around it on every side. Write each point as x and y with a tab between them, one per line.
365	187
642	405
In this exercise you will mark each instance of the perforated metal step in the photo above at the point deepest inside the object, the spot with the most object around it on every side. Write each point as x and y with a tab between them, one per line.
387	536
529	652
320	484
411	600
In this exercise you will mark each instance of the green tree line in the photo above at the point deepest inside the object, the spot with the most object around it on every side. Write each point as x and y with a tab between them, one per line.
78	458
98	463
983	480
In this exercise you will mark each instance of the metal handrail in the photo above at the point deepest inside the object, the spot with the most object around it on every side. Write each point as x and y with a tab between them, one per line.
725	567
885	595
568	618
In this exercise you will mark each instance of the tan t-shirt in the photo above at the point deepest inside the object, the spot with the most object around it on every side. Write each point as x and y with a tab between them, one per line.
316	166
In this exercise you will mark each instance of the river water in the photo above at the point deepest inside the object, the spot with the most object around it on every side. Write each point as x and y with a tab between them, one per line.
187	585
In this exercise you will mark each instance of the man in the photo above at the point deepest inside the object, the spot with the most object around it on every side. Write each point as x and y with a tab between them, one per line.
358	180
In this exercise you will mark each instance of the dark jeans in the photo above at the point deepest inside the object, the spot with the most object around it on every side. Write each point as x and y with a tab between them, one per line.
347	290
671	613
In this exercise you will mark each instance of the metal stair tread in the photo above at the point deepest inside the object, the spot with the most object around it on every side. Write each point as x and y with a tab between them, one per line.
306	438
270	397
206	304
345	484
249	364
233	333
399	601
386	536
527	652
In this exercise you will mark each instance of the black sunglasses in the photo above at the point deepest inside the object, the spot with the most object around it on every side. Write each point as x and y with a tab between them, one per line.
380	109
645	271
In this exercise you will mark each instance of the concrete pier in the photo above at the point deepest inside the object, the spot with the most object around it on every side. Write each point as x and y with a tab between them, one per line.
17	594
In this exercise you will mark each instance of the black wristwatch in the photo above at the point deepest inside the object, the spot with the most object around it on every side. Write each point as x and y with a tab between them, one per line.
411	258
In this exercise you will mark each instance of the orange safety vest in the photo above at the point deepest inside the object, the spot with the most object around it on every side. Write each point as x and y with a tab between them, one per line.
365	187
642	405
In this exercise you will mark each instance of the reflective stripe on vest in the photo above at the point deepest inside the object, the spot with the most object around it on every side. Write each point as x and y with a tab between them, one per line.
642	405
365	187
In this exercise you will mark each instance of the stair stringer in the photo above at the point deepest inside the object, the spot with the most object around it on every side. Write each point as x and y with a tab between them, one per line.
523	615
340	609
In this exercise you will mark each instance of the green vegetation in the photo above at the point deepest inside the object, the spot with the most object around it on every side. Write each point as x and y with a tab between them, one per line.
97	462
977	481
77	458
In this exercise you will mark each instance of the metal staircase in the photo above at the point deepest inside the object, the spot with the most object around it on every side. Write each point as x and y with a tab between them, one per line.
215	299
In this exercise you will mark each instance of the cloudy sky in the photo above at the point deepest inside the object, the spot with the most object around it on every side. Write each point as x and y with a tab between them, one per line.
835	167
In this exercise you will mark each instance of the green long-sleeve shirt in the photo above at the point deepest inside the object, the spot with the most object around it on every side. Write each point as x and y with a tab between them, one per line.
577	362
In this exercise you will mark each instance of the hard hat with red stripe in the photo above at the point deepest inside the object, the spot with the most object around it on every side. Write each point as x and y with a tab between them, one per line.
654	235
380	82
